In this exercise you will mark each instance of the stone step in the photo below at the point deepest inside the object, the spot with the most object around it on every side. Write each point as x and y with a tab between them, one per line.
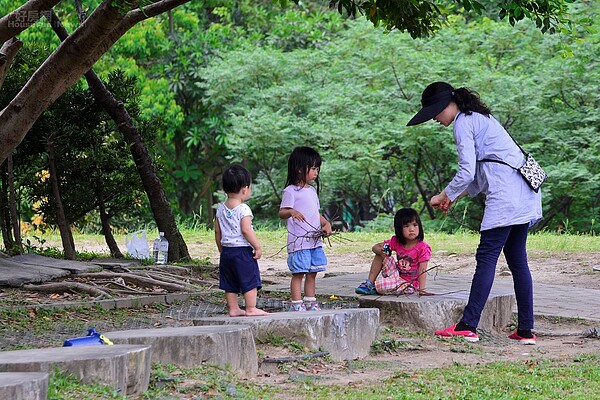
431	313
187	347
124	367
23	385
346	334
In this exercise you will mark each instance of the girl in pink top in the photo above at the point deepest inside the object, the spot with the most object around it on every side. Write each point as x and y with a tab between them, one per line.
412	254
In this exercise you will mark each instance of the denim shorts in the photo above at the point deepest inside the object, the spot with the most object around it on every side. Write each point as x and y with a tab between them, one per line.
307	261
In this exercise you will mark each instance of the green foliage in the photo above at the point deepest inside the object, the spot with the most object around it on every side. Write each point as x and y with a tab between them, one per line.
351	97
422	18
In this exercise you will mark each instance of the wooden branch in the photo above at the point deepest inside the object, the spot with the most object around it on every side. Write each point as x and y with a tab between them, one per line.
181	271
135	279
61	287
173	277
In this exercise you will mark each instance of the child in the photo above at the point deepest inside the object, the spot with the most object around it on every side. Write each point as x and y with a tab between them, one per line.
300	206
412	253
238	245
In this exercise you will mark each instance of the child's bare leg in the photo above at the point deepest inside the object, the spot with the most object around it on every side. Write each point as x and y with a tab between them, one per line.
376	267
250	299
232	304
296	286
310	284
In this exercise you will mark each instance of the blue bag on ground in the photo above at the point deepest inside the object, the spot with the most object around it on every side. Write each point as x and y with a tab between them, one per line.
93	338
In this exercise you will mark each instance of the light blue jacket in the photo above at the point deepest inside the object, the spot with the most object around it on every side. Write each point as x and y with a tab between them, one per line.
509	200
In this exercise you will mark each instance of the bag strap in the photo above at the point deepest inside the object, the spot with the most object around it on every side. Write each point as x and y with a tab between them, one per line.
496	161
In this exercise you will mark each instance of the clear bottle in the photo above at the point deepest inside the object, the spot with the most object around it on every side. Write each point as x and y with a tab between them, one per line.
160	249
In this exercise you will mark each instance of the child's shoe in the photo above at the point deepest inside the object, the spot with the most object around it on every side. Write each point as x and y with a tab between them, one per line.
298	307
522	340
366	287
313	306
451	331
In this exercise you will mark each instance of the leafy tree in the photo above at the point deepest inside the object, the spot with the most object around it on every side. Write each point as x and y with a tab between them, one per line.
351	99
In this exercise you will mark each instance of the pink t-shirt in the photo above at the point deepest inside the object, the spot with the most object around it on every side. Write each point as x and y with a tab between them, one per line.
409	259
302	235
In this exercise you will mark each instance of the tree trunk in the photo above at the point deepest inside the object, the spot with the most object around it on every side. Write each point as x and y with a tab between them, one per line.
76	55
64	227
7	237
159	204
105	220
12	207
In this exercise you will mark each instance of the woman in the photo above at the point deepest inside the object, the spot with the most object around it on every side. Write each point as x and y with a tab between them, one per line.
511	206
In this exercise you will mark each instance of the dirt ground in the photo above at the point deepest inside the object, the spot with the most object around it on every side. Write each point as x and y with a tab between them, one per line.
552	268
558	338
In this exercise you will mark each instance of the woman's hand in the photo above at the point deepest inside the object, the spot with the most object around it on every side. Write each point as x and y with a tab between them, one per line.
440	202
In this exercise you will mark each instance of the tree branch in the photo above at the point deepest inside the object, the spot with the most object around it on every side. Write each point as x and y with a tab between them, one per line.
8	51
23	17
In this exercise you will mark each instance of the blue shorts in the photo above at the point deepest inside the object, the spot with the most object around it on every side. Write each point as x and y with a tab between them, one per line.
238	270
307	261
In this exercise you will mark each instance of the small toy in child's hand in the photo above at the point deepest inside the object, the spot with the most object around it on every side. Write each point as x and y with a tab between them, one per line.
387	249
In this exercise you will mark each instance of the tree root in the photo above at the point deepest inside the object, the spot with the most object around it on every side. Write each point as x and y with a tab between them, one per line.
61	287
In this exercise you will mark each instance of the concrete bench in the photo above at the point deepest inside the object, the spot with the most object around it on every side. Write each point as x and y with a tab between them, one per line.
23	385
124	367
428	313
187	347
346	334
431	313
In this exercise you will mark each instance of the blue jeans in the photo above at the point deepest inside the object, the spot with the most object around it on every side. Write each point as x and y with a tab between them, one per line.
512	239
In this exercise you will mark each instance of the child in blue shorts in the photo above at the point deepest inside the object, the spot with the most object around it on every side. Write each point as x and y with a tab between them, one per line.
306	226
238	245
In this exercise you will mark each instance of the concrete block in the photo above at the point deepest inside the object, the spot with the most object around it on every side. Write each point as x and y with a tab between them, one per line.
74	267
23	385
124	367
187	347
346	334
16	274
431	313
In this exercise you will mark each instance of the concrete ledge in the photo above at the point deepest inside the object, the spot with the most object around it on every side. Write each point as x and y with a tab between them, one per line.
74	267
16	274
111	304
124	367
228	346
23	385
345	334
431	313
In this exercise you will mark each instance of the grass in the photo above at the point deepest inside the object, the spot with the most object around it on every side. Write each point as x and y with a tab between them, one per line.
202	247
573	378
569	379
63	386
39	327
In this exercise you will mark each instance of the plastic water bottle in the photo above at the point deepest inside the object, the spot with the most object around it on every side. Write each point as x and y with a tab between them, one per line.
160	249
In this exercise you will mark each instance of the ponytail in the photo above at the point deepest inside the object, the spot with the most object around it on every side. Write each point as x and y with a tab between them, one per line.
468	101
